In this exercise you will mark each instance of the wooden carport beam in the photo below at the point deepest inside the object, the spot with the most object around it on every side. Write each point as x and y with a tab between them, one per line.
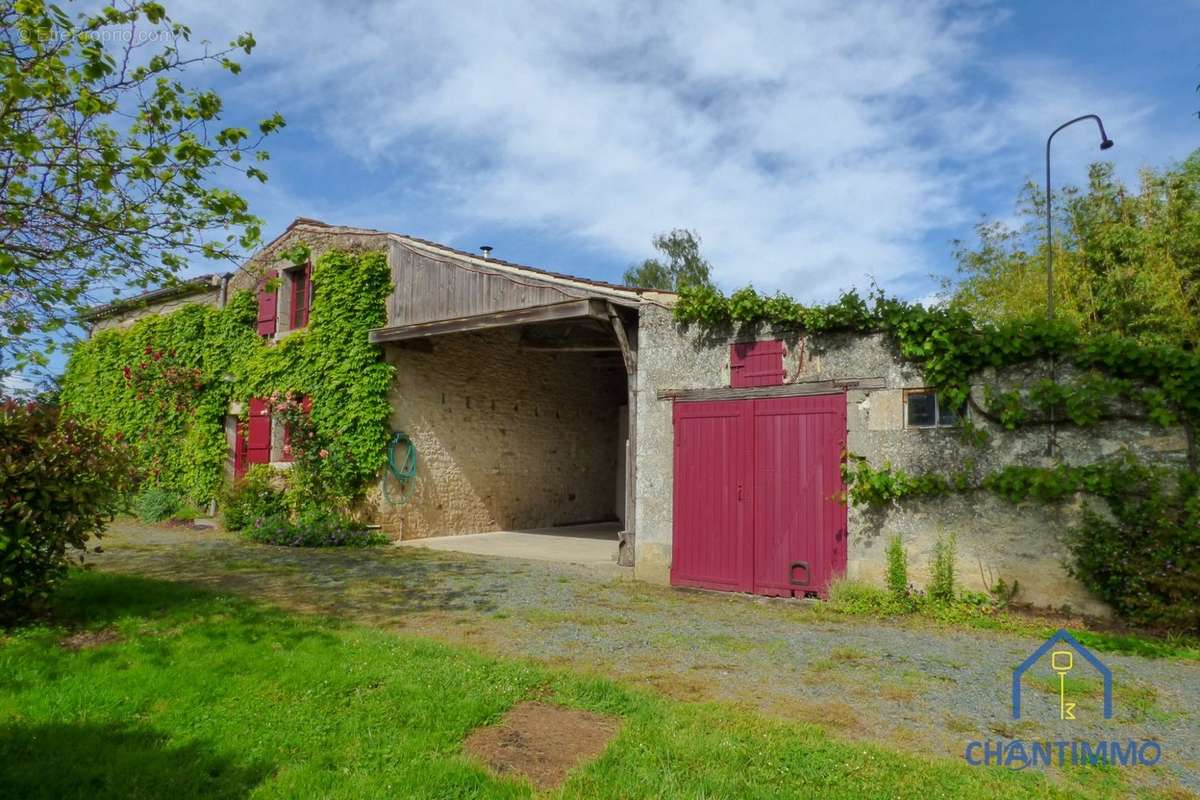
552	312
783	390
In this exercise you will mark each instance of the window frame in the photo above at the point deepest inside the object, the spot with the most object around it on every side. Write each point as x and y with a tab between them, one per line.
296	277
938	423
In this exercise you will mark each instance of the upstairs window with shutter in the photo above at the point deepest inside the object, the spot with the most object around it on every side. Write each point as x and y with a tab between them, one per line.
301	294
268	303
756	364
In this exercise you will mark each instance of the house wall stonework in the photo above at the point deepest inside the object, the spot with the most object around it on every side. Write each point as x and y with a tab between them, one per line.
125	319
505	438
995	538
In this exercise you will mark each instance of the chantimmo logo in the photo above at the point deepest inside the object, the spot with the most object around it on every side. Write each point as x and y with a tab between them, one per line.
1067	656
1062	661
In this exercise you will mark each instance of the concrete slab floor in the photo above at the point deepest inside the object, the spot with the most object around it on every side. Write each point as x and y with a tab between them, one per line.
591	545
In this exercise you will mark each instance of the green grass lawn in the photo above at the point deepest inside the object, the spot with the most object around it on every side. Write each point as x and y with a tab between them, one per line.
212	696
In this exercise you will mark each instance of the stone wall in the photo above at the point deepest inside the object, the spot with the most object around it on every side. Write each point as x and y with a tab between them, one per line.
505	438
996	539
125	319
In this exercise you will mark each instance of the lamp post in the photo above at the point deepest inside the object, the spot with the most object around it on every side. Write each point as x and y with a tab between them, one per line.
1105	143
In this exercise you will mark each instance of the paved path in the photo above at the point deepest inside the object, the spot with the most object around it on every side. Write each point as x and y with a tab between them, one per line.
593	545
909	685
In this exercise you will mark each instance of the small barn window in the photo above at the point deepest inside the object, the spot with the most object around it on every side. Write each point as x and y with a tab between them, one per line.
923	408
756	364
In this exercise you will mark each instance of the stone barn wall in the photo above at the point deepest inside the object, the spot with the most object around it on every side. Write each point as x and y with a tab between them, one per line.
505	438
126	318
995	538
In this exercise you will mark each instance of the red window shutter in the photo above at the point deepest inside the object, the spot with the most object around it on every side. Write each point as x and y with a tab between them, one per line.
306	407
258	444
301	295
268	301
756	364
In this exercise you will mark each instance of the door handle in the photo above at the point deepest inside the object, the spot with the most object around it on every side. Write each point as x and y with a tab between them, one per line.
739	491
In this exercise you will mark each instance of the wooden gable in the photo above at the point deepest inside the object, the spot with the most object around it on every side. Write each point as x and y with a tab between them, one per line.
429	288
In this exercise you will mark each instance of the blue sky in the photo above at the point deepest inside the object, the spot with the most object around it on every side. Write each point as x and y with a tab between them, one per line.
813	145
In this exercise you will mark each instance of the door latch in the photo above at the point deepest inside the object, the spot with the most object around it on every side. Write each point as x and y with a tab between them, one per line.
792	573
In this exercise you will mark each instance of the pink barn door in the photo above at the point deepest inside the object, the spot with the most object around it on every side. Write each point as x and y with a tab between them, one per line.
713	535
799	519
757	503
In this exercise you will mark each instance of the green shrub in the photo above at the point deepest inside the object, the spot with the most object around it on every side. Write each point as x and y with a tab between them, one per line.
60	482
856	597
1145	561
312	529
941	570
252	498
187	511
897	569
156	504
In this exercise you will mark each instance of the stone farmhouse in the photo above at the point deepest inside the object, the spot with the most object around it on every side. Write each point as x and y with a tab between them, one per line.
537	399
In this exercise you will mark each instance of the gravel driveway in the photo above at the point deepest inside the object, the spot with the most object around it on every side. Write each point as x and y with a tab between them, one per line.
909	685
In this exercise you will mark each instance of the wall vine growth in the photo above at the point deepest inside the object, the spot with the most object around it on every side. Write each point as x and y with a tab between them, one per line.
951	347
1143	557
166	382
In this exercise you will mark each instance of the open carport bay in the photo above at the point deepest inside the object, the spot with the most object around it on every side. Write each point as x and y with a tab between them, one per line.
592	545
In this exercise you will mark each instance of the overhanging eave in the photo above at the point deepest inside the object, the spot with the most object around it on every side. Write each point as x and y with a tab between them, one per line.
531	315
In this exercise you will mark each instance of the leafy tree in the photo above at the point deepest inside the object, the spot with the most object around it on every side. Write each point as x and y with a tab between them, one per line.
684	266
108	163
1125	262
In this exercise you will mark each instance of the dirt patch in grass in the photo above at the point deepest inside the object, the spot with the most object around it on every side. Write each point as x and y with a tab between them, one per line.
87	640
542	742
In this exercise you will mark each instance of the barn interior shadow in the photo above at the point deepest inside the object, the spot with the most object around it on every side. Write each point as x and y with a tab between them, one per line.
59	760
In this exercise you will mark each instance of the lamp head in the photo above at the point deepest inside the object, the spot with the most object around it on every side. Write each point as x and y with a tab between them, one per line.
1107	143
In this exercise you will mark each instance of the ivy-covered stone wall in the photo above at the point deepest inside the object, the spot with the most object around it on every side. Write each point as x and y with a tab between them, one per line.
168	381
997	538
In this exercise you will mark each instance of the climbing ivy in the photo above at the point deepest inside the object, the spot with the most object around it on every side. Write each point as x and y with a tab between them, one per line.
166	382
879	487
1143	557
951	348
332	362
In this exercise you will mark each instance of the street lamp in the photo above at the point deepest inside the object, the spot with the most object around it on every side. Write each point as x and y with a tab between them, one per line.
1105	143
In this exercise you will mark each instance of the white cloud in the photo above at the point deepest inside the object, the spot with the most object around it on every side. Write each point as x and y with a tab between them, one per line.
812	144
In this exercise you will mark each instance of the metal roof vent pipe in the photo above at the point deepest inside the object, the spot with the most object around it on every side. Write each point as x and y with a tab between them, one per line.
486	250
